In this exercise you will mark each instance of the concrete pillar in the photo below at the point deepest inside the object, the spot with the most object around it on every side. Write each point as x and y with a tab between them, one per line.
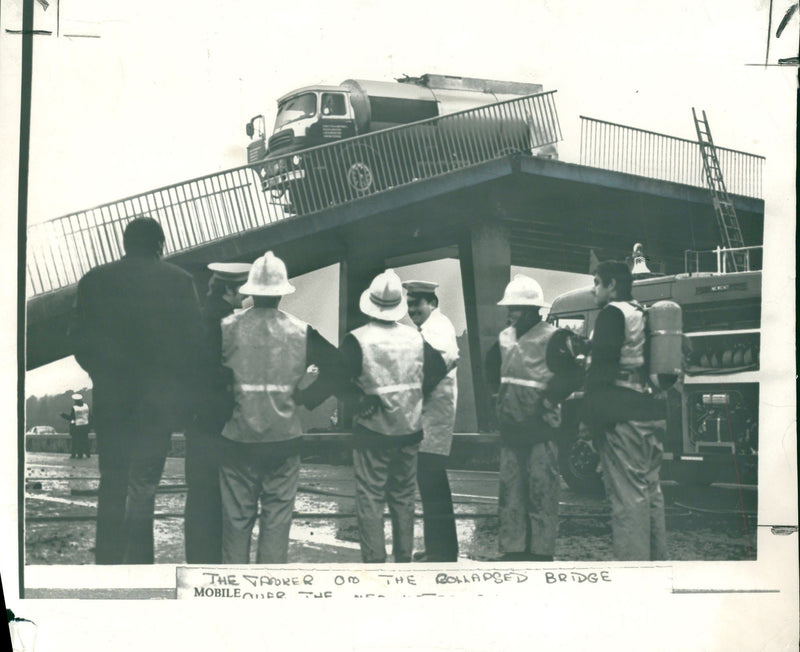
485	257
355	274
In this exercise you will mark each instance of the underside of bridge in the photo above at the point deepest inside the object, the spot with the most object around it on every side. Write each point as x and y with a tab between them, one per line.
514	211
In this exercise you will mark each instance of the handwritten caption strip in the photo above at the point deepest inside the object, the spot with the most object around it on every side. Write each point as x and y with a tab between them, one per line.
253	583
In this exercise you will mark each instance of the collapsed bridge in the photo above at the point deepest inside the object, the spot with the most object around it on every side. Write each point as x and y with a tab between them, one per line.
394	198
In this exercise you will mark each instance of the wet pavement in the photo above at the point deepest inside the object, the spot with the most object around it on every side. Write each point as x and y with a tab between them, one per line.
703	523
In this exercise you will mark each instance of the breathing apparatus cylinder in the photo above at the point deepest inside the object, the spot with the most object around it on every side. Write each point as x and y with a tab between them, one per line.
665	337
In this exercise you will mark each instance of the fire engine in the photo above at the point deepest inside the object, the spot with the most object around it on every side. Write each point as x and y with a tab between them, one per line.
712	412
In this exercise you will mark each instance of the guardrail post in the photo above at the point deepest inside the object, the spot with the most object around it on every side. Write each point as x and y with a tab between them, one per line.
485	258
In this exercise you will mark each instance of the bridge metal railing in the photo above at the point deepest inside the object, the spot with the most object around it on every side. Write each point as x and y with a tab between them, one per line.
621	148
216	206
191	213
720	260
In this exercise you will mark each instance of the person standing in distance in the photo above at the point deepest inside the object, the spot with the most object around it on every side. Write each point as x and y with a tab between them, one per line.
529	414
78	418
628	422
136	331
203	511
438	420
268	352
391	368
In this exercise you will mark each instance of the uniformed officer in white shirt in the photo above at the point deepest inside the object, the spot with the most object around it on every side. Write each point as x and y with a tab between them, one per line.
78	418
438	420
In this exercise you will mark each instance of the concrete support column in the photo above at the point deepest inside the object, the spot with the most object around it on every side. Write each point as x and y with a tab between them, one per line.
355	274
485	257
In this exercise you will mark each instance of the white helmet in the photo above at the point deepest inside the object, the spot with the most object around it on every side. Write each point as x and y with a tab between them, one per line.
384	299
267	278
523	291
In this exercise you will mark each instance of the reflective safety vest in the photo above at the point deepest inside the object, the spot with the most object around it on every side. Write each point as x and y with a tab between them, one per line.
266	350
439	408
81	413
523	372
631	357
391	368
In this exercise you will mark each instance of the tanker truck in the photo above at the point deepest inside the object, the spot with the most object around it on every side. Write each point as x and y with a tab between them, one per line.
299	171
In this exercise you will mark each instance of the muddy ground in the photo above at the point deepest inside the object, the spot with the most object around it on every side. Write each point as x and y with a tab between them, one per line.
703	523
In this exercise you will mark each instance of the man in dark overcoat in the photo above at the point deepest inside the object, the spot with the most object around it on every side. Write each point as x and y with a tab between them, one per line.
136	331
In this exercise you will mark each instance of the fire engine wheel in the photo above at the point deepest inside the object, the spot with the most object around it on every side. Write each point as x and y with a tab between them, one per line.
577	460
359	170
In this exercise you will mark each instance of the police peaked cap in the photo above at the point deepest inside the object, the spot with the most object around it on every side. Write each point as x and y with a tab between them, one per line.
231	272
420	287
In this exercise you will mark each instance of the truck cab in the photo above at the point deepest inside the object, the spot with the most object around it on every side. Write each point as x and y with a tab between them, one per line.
306	117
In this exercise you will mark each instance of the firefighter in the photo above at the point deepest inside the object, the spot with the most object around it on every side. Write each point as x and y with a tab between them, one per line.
268	352
438	420
627	422
528	412
391	368
203	511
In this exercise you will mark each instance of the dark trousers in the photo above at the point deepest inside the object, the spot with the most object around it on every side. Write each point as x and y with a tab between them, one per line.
203	515
80	441
130	470
73	442
441	543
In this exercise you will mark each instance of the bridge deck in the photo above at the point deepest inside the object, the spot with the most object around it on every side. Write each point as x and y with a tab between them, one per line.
555	213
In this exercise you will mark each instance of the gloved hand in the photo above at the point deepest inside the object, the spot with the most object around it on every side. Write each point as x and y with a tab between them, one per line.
551	413
368	405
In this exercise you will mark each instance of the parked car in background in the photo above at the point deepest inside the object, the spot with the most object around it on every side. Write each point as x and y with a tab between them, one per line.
42	430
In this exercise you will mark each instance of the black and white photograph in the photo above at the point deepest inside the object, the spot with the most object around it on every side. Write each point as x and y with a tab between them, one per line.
432	305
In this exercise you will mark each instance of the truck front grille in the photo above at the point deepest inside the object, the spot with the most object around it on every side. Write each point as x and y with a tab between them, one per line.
281	139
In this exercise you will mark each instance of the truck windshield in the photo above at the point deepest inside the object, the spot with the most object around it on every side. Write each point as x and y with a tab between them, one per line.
296	108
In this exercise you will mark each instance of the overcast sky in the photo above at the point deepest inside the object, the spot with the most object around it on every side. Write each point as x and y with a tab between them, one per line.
165	91
162	90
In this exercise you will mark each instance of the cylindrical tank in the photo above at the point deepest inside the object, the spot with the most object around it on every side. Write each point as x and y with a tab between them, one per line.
665	331
379	105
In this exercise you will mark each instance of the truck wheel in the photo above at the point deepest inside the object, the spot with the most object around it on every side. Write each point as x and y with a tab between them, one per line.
577	460
359	170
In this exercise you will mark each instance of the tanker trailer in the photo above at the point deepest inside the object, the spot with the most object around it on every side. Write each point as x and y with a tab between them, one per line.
313	116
